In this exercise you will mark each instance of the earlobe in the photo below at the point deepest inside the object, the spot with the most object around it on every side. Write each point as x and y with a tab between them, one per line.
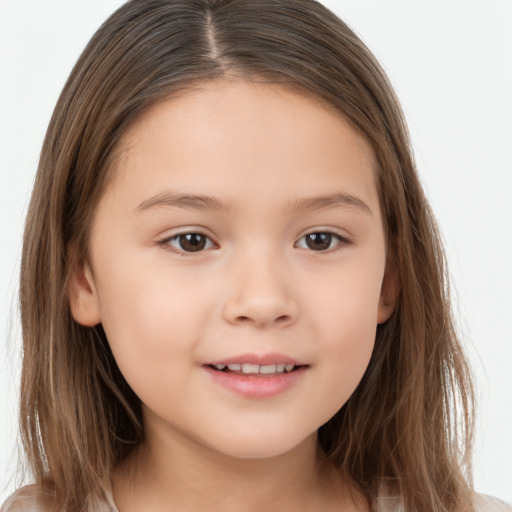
389	292
82	295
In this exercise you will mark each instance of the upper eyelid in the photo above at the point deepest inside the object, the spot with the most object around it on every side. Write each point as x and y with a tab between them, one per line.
333	231
345	239
205	232
188	231
165	243
164	240
342	239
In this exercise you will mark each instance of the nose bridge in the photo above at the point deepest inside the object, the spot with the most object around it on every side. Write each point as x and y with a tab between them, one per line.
260	291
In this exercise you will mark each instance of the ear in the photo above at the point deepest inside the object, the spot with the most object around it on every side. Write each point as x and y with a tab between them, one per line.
389	291
82	294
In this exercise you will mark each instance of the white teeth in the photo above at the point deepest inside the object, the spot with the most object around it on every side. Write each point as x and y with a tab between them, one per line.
250	368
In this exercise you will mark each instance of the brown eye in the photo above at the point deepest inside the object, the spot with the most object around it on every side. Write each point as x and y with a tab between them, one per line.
192	242
189	242
320	241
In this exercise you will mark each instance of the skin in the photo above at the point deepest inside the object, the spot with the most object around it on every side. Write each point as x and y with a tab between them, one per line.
256	287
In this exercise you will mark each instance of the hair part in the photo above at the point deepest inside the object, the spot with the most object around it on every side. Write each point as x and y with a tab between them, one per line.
409	423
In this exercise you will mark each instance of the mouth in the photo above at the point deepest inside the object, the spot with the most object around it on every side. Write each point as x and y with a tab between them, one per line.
256	370
257	376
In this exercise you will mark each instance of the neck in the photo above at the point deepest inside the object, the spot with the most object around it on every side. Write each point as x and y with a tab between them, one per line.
193	478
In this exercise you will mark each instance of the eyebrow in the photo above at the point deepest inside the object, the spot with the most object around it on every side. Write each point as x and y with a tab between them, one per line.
330	201
202	202
187	201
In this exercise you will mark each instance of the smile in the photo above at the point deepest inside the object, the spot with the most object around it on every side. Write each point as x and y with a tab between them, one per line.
255	369
256	377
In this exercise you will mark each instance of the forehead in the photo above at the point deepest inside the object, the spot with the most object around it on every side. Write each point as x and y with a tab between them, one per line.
223	134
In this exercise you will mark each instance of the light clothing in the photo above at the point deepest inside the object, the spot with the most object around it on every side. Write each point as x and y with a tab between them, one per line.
483	503
24	500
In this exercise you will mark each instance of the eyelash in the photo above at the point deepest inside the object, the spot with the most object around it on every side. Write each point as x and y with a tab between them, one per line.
166	242
332	236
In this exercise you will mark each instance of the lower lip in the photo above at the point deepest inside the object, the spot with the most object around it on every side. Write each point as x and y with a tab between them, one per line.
251	386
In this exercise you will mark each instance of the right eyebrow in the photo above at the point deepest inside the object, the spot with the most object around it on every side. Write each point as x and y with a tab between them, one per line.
187	201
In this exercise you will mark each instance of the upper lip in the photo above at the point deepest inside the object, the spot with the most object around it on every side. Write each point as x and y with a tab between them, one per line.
259	359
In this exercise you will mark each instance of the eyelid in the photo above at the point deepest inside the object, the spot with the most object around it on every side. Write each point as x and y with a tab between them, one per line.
343	240
164	242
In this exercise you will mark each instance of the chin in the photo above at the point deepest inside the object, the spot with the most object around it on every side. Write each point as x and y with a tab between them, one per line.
263	446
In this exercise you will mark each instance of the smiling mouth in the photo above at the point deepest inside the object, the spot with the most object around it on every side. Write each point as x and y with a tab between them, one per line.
248	369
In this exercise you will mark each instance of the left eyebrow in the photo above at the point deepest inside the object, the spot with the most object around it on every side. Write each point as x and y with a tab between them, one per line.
330	201
187	201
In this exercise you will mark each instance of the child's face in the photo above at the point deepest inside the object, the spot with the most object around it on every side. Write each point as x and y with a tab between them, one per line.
286	265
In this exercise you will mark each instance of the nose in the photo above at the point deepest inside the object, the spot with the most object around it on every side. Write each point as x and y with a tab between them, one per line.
259	295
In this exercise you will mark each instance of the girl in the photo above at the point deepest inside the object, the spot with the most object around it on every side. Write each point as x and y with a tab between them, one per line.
232	286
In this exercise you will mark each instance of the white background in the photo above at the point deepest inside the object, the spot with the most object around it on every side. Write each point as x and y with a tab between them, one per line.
451	64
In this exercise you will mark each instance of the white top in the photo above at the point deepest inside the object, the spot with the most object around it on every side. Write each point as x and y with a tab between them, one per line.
24	500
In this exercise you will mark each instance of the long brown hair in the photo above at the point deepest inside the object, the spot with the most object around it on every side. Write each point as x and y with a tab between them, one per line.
408	425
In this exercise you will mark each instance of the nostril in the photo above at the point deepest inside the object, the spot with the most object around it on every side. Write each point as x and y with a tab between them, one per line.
246	319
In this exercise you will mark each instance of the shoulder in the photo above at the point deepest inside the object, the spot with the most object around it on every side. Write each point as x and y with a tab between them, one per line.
31	499
26	499
483	503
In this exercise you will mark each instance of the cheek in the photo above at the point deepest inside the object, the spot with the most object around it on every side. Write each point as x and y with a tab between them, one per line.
152	324
346	324
347	353
348	346
345	302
